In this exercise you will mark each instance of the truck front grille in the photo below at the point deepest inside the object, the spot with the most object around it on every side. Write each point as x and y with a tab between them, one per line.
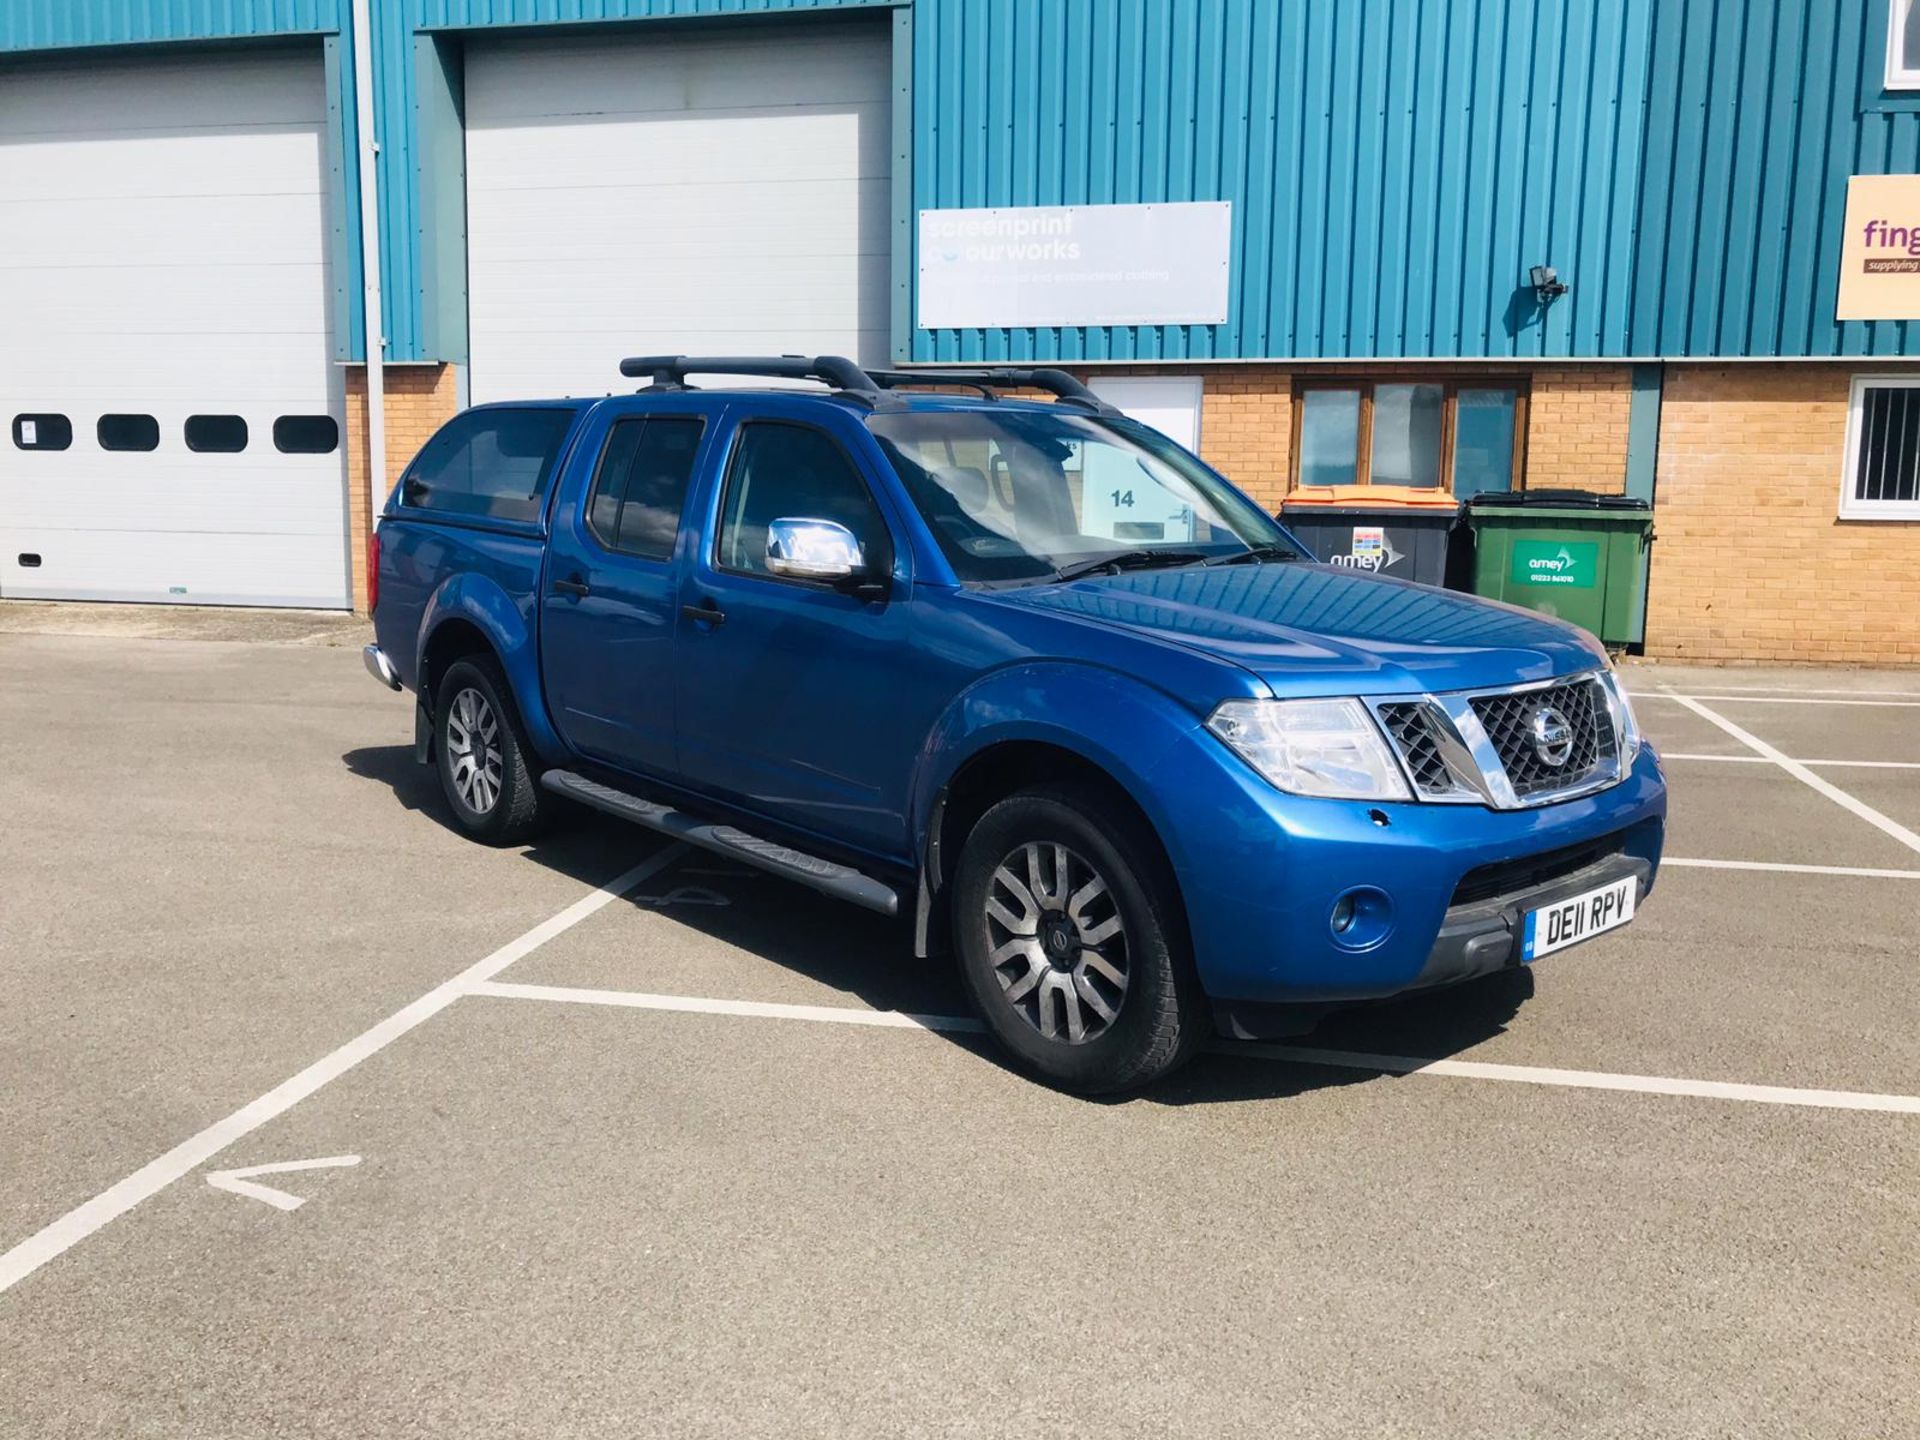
1529	745
1413	734
1511	722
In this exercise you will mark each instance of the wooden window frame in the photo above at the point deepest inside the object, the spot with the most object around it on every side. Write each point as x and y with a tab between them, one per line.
1450	386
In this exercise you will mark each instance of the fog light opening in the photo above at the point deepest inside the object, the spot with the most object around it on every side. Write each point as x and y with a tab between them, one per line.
1361	918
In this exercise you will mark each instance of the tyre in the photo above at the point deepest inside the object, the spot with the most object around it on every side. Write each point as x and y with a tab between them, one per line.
483	756
1072	942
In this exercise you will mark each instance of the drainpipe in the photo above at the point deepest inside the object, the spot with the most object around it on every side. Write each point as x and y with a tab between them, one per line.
370	267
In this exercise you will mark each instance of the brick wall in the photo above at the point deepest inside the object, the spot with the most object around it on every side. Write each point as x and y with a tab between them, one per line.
1752	561
1246	428
420	398
1577	427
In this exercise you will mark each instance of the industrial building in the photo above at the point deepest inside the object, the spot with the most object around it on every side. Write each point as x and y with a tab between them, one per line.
1670	247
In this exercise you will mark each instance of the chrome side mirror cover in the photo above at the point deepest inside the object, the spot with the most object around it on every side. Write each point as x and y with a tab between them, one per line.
823	550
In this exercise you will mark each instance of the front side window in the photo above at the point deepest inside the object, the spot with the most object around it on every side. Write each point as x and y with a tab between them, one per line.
1462	436
1881	480
1016	495
1903	45
793	472
641	484
493	462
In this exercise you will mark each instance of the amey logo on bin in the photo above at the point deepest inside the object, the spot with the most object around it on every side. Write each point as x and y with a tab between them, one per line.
1554	569
1371	550
1882	235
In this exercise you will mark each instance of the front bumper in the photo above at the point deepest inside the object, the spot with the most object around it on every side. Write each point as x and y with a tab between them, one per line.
1483	936
1261	873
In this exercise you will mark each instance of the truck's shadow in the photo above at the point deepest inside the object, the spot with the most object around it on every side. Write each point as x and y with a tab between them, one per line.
871	958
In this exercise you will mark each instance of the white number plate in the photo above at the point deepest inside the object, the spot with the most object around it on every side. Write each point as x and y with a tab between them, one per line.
1577	918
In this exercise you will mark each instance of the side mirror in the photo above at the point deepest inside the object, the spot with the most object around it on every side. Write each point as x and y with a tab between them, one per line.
822	550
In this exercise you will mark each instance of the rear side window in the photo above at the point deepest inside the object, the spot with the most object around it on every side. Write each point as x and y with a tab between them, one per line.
488	462
642	484
42	432
793	472
127	432
216	434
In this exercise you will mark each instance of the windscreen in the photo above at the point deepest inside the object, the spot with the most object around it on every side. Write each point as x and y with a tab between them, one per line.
1018	494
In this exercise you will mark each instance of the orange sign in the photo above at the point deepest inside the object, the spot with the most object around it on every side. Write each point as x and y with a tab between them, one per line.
1880	257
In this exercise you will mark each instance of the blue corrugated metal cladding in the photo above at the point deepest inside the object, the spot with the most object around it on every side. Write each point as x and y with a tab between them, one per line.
1395	166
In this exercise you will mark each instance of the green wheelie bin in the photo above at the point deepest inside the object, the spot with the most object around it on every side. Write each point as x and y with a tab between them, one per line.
1573	554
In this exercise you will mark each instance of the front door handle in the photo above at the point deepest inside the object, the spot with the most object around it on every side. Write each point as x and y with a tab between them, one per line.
707	613
574	584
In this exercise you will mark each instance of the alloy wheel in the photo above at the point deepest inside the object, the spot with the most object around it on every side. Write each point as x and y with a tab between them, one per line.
473	750
1056	942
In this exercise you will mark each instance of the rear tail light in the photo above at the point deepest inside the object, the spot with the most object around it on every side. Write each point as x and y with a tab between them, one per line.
373	571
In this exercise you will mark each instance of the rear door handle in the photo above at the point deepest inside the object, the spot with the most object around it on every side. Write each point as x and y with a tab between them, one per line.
707	613
572	585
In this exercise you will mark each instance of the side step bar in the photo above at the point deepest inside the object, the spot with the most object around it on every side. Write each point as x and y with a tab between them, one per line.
842	882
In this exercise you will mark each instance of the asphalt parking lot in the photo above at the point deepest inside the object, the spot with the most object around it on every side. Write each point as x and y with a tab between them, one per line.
630	1142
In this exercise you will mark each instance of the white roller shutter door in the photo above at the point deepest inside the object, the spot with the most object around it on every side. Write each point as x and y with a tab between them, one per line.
719	193
163	254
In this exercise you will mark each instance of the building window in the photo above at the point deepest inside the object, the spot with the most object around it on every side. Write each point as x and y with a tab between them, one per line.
1881	480
1465	436
127	432
216	434
306	434
1903	44
42	432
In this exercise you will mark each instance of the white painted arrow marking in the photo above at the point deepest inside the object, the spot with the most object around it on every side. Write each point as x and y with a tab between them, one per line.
237	1182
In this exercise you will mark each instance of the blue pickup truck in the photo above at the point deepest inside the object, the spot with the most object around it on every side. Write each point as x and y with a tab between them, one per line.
1021	670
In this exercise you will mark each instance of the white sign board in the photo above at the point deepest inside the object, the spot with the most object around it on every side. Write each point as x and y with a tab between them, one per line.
1076	265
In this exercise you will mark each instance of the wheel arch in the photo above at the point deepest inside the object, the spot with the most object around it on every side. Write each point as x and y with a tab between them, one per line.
470	614
1095	730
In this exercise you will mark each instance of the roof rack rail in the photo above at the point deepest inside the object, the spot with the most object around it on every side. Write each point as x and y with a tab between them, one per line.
669	372
1063	386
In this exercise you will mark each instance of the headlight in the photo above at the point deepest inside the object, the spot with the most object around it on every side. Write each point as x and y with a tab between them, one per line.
1623	718
1313	747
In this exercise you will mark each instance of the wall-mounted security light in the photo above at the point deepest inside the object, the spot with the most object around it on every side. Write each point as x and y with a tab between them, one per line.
1547	284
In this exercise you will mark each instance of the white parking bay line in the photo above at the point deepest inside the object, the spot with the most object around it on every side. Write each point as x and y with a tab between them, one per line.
1745	699
1586	1079
1293	1054
1763	760
77	1224
1864	872
750	1009
1745	690
1800	772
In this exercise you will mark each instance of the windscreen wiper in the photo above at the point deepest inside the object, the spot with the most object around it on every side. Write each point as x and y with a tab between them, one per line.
1125	560
1256	555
